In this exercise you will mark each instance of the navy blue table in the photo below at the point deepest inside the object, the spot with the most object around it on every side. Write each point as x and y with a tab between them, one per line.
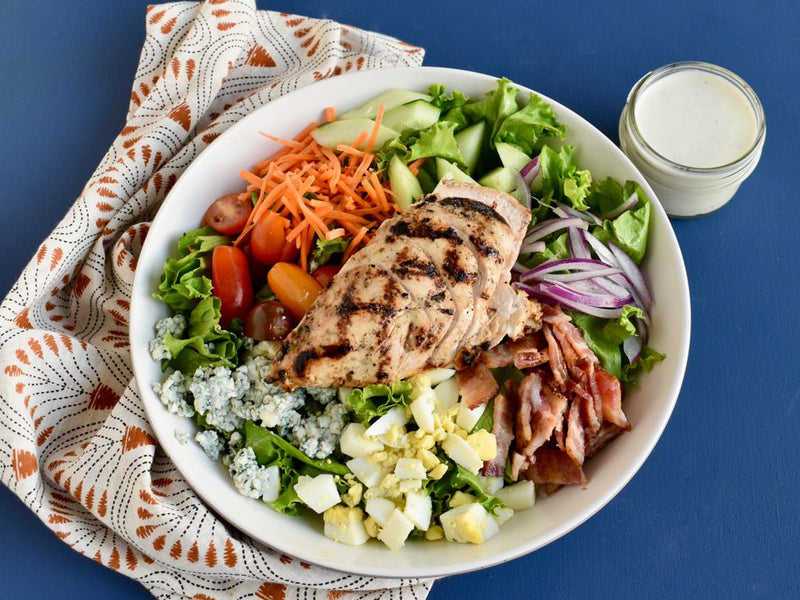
714	511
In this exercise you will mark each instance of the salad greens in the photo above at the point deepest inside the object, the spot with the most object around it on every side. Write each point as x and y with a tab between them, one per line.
465	138
376	400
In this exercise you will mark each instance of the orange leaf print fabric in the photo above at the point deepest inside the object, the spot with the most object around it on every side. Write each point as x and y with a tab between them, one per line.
76	444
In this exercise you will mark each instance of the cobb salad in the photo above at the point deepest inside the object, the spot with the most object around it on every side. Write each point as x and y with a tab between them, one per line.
449	453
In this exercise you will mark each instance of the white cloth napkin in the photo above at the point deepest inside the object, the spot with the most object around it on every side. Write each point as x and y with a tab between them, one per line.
75	443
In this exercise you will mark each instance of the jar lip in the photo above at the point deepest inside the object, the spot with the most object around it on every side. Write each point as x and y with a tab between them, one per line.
731	77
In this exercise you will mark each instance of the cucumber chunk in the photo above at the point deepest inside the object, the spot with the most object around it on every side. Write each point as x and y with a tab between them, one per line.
389	99
346	132
418	114
470	143
511	156
447	170
501	178
404	184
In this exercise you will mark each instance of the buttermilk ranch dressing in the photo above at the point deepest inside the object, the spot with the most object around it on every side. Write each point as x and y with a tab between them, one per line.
696	118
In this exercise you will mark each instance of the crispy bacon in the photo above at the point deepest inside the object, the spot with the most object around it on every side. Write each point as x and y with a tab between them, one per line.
477	385
499	356
576	442
557	364
566	408
611	397
503	430
552	466
550	414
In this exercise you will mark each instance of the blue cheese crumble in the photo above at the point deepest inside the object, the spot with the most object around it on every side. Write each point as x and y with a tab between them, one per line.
211	443
215	390
252	480
174	394
266	403
318	435
174	325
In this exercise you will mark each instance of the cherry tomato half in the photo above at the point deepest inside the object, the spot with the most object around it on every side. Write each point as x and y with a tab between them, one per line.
325	274
294	287
268	243
230	277
228	214
269	320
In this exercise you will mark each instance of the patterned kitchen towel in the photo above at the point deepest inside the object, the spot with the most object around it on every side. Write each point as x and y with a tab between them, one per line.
75	444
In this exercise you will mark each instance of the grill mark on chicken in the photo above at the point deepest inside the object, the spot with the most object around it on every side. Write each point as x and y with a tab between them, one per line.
424	230
484	247
467	207
303	358
453	268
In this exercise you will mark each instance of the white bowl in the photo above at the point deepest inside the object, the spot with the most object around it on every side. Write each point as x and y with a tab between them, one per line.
648	407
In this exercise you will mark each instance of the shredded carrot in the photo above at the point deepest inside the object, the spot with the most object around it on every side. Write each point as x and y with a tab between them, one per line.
415	166
353	245
335	233
330	114
319	193
374	135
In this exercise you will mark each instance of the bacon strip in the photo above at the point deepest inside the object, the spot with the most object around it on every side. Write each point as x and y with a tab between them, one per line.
552	466
552	406
477	385
611	398
503	430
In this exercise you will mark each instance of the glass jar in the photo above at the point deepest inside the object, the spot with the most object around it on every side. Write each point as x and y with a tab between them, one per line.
695	131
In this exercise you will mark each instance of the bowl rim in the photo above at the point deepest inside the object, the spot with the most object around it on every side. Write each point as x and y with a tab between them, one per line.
473	558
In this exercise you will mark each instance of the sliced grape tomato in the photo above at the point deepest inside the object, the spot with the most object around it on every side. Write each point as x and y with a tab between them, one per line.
228	214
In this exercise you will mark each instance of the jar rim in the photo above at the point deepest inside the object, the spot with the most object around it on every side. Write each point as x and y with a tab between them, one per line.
731	77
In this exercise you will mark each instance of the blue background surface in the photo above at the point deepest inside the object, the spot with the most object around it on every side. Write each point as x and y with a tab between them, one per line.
714	511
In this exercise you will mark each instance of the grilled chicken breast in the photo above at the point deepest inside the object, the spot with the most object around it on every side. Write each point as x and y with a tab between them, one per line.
431	289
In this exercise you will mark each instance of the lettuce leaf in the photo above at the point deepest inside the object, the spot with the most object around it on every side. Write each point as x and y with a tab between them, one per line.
376	400
528	126
629	231
185	280
205	343
458	479
325	250
561	178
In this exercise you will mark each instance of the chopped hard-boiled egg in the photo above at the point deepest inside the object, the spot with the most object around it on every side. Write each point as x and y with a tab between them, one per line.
410	468
396	530
484	443
368	472
422	407
446	393
345	524
468	417
419	509
394	417
459	450
355	443
432	377
469	523
318	493
380	509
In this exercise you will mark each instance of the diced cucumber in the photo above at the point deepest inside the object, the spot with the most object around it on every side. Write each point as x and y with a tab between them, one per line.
470	143
511	156
404	184
501	178
389	99
447	170
347	131
418	114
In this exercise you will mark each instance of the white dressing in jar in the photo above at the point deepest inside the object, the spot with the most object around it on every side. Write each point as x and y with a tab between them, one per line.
695	131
